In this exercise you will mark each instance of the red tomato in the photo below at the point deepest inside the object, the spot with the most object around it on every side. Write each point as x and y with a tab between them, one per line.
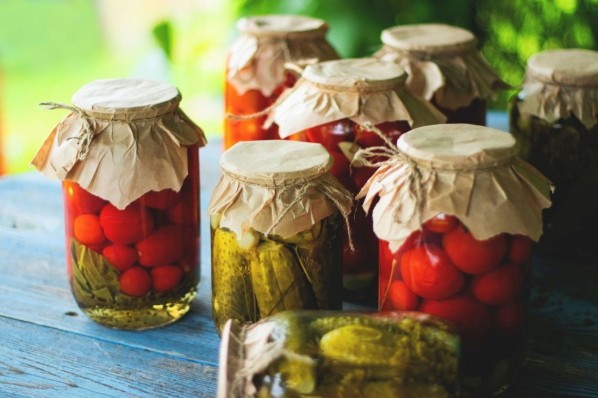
80	201
161	200
471	317
401	297
166	277
392	130
163	246
511	317
385	260
87	229
473	256
122	257
429	273
135	282
331	134
499	286
441	223
520	249
126	226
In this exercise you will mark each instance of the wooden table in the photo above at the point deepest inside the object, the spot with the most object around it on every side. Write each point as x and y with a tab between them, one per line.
48	348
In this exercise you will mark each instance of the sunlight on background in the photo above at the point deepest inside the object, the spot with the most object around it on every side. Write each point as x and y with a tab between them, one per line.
49	48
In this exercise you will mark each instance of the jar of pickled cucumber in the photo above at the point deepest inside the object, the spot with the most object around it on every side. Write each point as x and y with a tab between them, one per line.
276	218
340	354
456	212
256	73
445	67
555	121
129	161
338	104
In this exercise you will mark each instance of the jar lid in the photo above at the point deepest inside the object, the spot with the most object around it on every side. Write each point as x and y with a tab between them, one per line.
275	25
457	146
275	163
574	67
358	74
429	38
135	98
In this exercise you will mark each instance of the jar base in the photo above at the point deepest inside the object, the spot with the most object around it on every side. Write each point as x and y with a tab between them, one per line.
148	317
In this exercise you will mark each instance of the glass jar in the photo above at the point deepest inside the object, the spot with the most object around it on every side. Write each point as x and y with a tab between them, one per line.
132	252
276	231
256	74
555	121
346	105
445	67
456	212
339	354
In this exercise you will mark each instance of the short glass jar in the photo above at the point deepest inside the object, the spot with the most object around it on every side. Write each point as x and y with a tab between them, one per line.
132	252
456	212
346	105
339	354
554	118
256	74
276	231
445	67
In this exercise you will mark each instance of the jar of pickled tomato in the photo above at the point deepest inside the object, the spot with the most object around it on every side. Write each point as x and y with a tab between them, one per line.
340	354
129	161
445	67
276	220
256	73
554	118
456	212
338	104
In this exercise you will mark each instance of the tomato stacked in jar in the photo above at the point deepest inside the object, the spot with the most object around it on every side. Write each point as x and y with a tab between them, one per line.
347	105
457	213
256	74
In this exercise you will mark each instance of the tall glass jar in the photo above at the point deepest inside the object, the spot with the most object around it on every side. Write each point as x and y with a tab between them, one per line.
276	231
129	161
456	212
445	67
339	354
555	121
339	104
256	73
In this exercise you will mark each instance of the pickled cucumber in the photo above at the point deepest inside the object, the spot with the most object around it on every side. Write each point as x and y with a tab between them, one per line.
232	292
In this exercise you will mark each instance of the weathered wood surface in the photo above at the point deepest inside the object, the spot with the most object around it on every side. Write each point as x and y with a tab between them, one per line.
49	349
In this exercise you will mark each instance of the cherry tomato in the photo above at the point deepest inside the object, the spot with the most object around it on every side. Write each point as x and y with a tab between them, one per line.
429	273
393	130
385	260
520	249
161	200
470	316
135	282
510	317
401	297
331	134
122	257
80	201
126	226
166	277
441	223
473	256
499	286
87	229
163	246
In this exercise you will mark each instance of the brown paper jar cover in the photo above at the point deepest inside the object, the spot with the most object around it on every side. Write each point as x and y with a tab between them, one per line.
442	62
276	187
471	172
364	90
559	83
139	139
258	57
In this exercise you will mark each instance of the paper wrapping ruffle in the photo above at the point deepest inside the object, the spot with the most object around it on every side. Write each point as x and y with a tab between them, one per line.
134	150
559	83
257	59
453	80
283	189
312	103
489	191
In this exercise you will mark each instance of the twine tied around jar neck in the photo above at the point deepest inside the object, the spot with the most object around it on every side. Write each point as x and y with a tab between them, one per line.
86	137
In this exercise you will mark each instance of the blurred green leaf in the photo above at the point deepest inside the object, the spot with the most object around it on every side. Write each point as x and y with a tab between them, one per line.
162	32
